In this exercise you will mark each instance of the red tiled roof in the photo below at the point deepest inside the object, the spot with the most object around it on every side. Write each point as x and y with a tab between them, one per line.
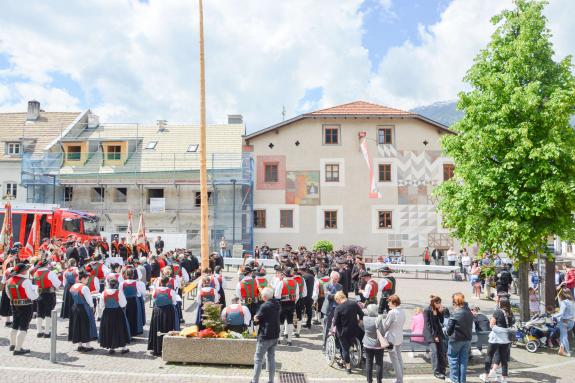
359	108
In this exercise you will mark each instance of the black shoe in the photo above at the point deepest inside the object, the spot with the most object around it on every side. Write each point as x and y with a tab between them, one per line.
8	324
289	343
12	348
125	351
81	349
99	319
47	335
88	349
439	376
296	335
40	335
111	352
349	371
22	351
315	321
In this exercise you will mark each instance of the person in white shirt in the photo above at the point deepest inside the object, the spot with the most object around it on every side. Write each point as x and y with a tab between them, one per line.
236	316
47	282
465	263
21	293
451	257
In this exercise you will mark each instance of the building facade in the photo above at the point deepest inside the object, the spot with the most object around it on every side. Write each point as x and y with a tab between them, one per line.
355	174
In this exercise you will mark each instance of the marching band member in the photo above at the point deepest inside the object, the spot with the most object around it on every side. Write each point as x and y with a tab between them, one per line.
387	289
369	293
47	282
206	293
299	306
236	316
220	278
93	283
133	289
319	295
247	290
82	328
114	328
70	276
115	273
5	307
101	270
164	318
21	292
287	292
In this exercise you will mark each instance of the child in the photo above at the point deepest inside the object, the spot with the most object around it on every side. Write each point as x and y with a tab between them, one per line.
533	302
417	324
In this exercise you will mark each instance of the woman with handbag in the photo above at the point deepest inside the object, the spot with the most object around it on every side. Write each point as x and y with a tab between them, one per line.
565	319
499	348
371	345
434	336
393	332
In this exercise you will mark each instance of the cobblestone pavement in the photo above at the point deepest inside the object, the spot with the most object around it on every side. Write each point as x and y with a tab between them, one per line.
305	356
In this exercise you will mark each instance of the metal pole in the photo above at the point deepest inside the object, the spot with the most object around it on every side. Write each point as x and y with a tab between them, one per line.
53	189
234	212
53	335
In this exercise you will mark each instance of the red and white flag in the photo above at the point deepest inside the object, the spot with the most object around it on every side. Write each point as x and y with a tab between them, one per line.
142	231
129	231
33	242
6	234
373	192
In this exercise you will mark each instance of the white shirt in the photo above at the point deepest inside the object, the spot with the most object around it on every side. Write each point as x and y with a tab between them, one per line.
451	255
466	260
367	289
52	277
315	294
121	298
140	287
85	291
28	286
175	297
245	311
279	288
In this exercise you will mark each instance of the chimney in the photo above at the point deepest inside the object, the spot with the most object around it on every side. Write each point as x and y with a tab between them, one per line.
162	125
235	119
93	121
33	110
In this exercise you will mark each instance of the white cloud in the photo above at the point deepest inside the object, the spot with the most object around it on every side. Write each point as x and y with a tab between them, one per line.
139	62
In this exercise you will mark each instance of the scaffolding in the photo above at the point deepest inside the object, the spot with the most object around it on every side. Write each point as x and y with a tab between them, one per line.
49	177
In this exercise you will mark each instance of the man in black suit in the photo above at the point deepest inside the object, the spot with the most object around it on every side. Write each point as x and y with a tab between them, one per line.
72	252
159	245
84	253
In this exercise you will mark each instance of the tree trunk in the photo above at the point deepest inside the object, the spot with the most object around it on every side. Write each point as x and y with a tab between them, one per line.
524	291
549	283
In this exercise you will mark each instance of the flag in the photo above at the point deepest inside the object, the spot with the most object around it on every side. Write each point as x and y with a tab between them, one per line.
32	244
373	192
129	230
142	231
6	234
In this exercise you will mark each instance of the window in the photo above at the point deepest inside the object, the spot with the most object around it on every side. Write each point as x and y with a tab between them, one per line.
13	148
192	148
114	152
271	173
98	194
198	199
331	134
152	145
72	224
11	189
332	173
154	193
448	170
385	135
330	219
68	193
286	219
74	153
384	219
121	228
121	195
259	219
384	172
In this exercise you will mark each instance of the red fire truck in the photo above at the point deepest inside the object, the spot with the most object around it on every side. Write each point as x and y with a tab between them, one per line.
54	222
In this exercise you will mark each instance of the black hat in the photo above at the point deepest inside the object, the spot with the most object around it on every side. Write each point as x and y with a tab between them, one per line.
365	274
385	269
43	262
288	272
20	268
247	269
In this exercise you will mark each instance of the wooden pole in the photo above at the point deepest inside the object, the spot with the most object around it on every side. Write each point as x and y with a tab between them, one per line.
204	238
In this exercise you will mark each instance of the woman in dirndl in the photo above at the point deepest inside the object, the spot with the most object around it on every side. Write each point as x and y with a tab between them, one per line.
70	277
114	328
131	289
82	328
206	294
164	318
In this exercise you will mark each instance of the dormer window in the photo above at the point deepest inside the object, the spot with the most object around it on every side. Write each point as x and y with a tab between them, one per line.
152	145
13	148
74	153
192	148
114	152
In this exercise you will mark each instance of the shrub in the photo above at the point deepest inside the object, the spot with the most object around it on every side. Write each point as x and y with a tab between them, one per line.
323	245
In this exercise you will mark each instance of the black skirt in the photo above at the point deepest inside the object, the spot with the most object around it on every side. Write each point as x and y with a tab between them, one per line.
133	313
114	330
79	328
67	303
5	308
163	320
222	298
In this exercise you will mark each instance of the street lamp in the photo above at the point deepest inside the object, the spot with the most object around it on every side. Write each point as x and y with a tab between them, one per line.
233	210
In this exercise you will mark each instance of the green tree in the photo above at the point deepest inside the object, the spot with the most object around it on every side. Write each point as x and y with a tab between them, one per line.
514	151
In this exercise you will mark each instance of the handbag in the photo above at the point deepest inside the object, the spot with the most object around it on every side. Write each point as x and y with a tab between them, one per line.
380	337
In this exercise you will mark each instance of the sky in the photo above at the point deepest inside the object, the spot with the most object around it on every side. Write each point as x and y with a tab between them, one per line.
138	60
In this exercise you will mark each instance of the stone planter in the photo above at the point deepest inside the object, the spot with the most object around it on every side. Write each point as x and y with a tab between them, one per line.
208	350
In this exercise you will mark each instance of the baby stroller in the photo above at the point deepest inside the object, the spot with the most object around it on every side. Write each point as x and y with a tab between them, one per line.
541	331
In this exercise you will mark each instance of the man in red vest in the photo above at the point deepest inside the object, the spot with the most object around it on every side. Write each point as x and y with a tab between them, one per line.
287	292
369	293
47	282
247	290
21	292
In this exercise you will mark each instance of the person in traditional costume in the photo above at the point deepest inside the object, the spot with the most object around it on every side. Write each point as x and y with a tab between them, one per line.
115	273
132	289
69	278
218	274
47	282
82	327
236	316
164	318
5	307
206	293
21	293
114	328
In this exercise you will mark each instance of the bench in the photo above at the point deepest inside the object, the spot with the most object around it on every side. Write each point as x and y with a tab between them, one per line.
268	263
479	341
426	269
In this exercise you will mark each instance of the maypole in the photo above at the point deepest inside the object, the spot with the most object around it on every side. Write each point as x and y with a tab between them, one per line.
204	244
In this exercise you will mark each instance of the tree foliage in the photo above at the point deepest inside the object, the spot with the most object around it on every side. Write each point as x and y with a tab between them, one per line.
323	245
514	150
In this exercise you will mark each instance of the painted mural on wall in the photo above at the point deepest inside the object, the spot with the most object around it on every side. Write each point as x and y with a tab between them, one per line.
302	188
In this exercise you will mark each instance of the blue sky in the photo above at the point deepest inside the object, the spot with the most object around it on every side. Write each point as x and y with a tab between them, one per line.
137	61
